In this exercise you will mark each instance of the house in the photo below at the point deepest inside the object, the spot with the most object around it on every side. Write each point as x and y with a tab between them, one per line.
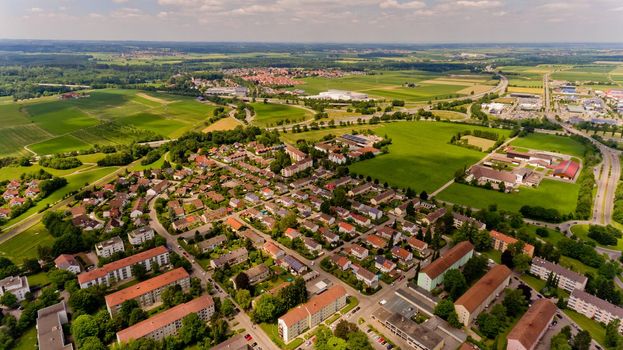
138	208
236	203
252	198
267	193
358	251
185	223
345	227
359	219
68	263
271	249
432	275
5	213
141	235
50	322
532	326
341	261
337	158
417	244
256	239
312	245
215	196
502	241
234	257
16	285
297	167
402	254
432	217
567	280
214	215
388	233
410	227
234	224
482	293
108	247
211	243
359	190
376	241
294	153
326	219
86	223
168	322
384	265
292	233
330	237
367	277
383	197
460	220
310	226
293	264
256	274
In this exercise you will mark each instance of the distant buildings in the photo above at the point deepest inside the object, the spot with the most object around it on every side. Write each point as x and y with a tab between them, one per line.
532	325
481	294
50	321
567	280
432	275
306	316
16	285
168	322
594	307
340	95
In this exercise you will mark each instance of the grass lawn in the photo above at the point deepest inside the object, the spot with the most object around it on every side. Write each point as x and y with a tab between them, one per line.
597	331
552	143
28	340
24	245
40	279
494	255
269	114
420	156
451	115
576	265
14	172
273	333
553	237
352	303
550	194
581	231
536	283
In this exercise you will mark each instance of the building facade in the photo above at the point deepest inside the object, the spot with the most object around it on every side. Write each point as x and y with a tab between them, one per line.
432	275
16	285
108	247
481	294
567	280
595	308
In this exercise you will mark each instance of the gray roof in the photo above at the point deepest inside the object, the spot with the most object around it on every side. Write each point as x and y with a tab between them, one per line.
559	270
426	338
599	303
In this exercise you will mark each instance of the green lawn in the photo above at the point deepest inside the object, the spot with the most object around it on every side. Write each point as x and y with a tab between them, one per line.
536	283
273	333
269	114
553	143
550	194
24	245
40	279
352	303
494	255
28	340
316	135
14	138
420	156
576	265
553	237
597	331
14	172
581	231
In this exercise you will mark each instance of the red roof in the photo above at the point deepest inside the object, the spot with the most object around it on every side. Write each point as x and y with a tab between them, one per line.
115	265
145	287
566	168
234	224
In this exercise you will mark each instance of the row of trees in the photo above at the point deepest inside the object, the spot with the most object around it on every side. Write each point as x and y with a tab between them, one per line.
268	307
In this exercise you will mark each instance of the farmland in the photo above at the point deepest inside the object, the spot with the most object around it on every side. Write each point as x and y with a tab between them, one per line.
109	116
552	143
420	155
272	114
228	123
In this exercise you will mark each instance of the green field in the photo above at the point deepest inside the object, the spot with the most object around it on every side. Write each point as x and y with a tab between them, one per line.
14	172
269	114
581	231
24	245
552	143
317	135
550	194
420	156
28	340
109	116
597	331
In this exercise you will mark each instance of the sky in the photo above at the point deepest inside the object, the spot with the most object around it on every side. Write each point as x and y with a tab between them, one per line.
391	21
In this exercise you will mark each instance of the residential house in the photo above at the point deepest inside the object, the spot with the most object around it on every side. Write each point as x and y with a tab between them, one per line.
108	247
68	263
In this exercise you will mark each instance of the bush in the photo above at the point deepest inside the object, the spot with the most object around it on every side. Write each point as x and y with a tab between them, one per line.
60	163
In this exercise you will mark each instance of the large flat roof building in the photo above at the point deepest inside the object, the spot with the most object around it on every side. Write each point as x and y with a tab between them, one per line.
50	321
481	294
432	275
567	280
419	337
532	325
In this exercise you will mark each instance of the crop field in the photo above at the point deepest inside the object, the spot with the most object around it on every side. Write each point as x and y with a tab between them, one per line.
479	142
550	194
109	116
552	143
228	123
391	85
269	114
420	156
13	172
450	115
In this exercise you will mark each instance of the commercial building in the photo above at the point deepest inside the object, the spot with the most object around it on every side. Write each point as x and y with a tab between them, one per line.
594	307
168	322
121	270
481	294
141	235
432	275
532	325
16	285
306	316
148	292
108	247
567	280
340	95
50	321
502	241
417	336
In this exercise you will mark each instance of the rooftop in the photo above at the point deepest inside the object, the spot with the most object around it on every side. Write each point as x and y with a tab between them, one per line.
139	289
481	290
115	265
528	330
442	264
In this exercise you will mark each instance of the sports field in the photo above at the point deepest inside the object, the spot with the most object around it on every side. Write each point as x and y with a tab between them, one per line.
550	194
110	116
420	156
552	143
270	114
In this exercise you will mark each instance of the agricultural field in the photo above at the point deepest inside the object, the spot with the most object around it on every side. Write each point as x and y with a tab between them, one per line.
449	115
420	155
582	73
110	116
552	143
393	85
271	114
317	135
550	194
228	123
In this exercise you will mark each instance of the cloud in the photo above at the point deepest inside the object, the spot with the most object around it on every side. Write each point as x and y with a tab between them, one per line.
126	12
479	3
394	4
36	10
119	1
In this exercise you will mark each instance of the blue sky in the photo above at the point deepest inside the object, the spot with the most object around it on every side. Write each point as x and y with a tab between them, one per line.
410	21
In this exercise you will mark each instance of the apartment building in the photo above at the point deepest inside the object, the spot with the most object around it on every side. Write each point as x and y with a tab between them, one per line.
502	241
234	257
108	247
141	235
567	280
306	316
482	293
432	275
594	307
16	285
168	322
532	325
50	321
417	336
148	292
121	270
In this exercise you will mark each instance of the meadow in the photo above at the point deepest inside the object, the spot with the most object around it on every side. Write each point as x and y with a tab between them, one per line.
550	194
270	114
420	155
24	245
552	143
317	135
110	116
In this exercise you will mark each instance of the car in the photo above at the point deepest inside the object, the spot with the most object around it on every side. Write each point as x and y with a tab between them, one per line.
369	330
248	337
389	346
383	302
254	344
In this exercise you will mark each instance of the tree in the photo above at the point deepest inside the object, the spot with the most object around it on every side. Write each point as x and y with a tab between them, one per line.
453	320
242	281
454	283
344	328
92	343
559	342
264	309
193	329
86	300
475	268
227	307
514	302
82	327
58	278
581	341
444	308
31	265
423	195
507	259
136	315
612	333
522	262
9	300
219	330
139	271
358	341
243	298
